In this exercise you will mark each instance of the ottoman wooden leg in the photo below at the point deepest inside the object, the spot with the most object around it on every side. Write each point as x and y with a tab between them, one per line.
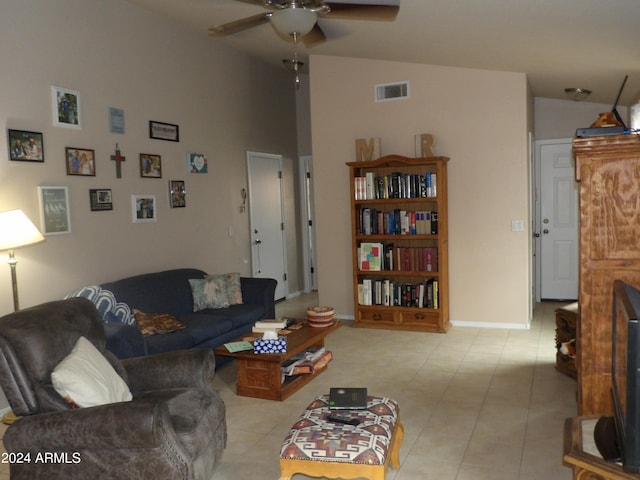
396	441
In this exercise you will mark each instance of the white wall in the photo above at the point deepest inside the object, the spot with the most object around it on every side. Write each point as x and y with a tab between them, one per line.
481	120
119	55
561	118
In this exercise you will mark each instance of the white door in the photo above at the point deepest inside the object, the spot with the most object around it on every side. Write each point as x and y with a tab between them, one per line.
558	225
308	224
266	218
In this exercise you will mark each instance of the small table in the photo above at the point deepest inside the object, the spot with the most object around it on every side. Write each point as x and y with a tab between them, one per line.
259	374
318	447
580	456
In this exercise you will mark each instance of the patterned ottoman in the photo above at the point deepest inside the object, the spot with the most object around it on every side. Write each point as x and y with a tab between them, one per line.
320	448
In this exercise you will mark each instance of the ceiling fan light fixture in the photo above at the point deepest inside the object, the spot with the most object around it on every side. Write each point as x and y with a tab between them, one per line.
577	94
293	20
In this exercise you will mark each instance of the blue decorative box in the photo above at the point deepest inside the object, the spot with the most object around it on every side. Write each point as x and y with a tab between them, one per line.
279	345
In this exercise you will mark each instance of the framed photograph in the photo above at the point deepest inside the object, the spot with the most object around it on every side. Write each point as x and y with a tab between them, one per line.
196	163
143	208
116	120
164	131
80	161
150	166
26	146
177	194
65	105
54	210
101	199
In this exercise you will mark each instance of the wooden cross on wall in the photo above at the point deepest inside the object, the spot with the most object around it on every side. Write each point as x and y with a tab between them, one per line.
118	159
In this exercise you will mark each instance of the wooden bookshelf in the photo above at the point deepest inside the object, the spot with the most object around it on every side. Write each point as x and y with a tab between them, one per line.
390	297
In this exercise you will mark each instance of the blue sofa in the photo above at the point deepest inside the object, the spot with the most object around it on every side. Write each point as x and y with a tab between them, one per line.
170	292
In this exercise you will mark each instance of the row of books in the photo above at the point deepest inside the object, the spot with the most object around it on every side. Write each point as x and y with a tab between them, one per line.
309	361
371	221
395	185
375	256
389	293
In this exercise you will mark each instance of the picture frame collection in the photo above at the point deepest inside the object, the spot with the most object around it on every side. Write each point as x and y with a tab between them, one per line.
28	146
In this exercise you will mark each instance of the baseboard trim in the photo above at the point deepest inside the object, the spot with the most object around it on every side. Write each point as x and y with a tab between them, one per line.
512	326
465	323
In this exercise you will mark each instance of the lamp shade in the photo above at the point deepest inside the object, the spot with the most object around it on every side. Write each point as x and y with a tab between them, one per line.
293	20
16	230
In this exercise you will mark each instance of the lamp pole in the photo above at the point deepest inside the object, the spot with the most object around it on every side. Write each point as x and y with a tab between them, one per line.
14	280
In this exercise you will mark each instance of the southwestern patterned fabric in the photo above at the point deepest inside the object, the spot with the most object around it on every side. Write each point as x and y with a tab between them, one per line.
313	437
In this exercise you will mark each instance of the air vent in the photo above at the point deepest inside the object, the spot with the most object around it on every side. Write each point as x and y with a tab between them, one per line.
392	91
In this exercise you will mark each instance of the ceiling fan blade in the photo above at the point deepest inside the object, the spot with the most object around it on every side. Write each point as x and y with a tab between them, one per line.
239	25
314	37
253	2
359	11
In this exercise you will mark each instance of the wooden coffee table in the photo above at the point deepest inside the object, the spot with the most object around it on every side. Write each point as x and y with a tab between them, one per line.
259	374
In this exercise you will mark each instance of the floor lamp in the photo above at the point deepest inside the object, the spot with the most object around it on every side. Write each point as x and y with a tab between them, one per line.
16	230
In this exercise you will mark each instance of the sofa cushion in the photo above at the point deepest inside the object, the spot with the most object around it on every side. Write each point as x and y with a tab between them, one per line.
206	324
210	292
105	301
232	287
178	340
168	291
246	314
85	378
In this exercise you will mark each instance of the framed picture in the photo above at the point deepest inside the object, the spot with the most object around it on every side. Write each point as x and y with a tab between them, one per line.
143	208
116	120
65	105
164	131
54	210
26	146
101	199
80	161
196	163
150	166
177	194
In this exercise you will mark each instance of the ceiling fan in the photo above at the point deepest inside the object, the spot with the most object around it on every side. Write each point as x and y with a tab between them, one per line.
299	18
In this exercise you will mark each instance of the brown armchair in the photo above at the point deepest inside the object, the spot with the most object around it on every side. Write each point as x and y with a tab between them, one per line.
174	428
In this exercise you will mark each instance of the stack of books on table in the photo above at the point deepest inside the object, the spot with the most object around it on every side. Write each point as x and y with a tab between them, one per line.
272	325
309	361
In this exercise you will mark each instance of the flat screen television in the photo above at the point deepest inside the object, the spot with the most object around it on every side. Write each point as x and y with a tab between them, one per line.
618	437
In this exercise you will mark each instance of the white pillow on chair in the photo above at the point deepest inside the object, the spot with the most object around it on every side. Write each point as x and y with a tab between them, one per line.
85	378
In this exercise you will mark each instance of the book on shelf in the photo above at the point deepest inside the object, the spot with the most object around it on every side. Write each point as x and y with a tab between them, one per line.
308	361
370	256
386	292
370	185
395	185
371	221
313	366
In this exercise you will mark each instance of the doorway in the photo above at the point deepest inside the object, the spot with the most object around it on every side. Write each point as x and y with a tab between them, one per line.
557	223
266	219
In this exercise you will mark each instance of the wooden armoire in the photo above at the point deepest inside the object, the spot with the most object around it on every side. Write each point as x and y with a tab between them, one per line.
608	172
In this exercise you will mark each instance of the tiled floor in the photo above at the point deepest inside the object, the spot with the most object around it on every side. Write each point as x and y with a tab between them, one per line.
476	403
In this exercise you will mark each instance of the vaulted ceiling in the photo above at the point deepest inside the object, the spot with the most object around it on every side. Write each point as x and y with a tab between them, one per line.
589	44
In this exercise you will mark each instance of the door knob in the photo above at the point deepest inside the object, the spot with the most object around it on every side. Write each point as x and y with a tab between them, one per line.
537	235
545	231
258	241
